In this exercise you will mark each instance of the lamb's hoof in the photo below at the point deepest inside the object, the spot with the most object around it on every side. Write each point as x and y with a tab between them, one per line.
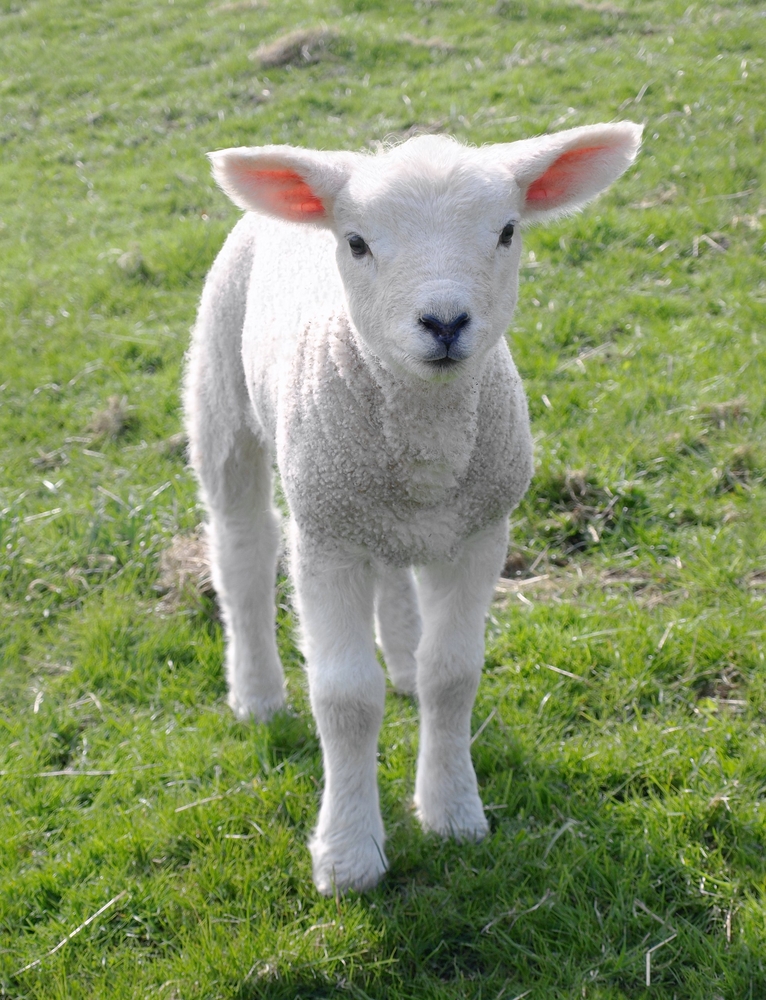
358	865
403	676
405	686
462	820
247	707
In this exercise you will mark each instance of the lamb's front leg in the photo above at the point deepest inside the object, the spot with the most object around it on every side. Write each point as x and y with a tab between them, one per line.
347	687
454	598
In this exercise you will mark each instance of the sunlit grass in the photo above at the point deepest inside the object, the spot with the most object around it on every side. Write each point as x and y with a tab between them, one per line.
620	744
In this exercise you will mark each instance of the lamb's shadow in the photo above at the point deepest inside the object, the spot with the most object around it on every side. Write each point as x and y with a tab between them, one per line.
541	903
582	872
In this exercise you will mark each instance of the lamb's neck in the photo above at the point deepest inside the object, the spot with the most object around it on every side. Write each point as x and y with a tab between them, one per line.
430	428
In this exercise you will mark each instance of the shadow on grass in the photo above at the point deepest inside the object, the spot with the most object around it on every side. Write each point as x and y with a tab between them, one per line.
564	898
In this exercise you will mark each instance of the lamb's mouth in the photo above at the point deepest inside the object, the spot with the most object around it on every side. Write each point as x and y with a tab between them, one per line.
444	364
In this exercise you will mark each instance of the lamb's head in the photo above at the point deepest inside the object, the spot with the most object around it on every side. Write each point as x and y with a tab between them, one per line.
428	232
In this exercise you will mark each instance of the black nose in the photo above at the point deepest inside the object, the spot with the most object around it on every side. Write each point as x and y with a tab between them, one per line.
445	332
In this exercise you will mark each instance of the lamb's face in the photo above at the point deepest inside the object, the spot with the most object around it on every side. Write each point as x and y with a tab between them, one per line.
428	232
429	256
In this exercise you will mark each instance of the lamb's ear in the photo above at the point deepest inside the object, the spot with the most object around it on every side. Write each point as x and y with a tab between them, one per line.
559	173
299	185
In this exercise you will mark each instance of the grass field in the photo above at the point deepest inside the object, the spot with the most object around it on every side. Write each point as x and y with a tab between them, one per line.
620	741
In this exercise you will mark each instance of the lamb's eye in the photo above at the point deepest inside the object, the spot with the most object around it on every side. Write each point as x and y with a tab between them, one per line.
358	247
506	235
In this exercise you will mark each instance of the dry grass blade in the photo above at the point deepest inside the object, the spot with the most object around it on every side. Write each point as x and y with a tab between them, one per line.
71	934
75	774
303	46
53	512
649	957
491	715
505	586
516	916
208	799
568	673
570	824
71	773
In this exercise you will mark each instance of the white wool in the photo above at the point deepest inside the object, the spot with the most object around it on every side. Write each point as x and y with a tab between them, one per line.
351	332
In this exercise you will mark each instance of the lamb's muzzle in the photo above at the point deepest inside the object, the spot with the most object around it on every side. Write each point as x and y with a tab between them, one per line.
446	333
367	361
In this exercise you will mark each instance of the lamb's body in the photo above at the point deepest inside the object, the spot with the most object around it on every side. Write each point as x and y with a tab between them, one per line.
384	392
363	459
405	478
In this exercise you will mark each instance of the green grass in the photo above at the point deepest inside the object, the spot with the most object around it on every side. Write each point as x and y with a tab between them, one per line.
620	748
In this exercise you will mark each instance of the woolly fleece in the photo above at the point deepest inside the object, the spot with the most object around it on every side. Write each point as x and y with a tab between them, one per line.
351	332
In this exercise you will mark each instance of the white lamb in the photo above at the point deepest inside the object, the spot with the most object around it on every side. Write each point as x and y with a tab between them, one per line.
351	332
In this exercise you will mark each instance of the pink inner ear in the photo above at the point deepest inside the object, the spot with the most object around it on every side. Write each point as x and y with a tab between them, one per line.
285	193
563	174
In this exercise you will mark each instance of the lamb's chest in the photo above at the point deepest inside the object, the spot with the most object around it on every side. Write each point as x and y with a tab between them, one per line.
368	507
346	482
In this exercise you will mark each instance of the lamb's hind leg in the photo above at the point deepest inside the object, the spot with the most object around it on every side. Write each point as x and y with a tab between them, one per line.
397	618
243	533
243	538
454	598
234	470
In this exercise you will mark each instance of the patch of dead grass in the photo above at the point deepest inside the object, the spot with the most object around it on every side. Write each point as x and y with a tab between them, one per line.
113	420
729	411
175	445
661	196
238	6
185	570
581	509
515	564
435	43
396	136
300	47
600	8
48	460
739	470
133	265
726	691
557	584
